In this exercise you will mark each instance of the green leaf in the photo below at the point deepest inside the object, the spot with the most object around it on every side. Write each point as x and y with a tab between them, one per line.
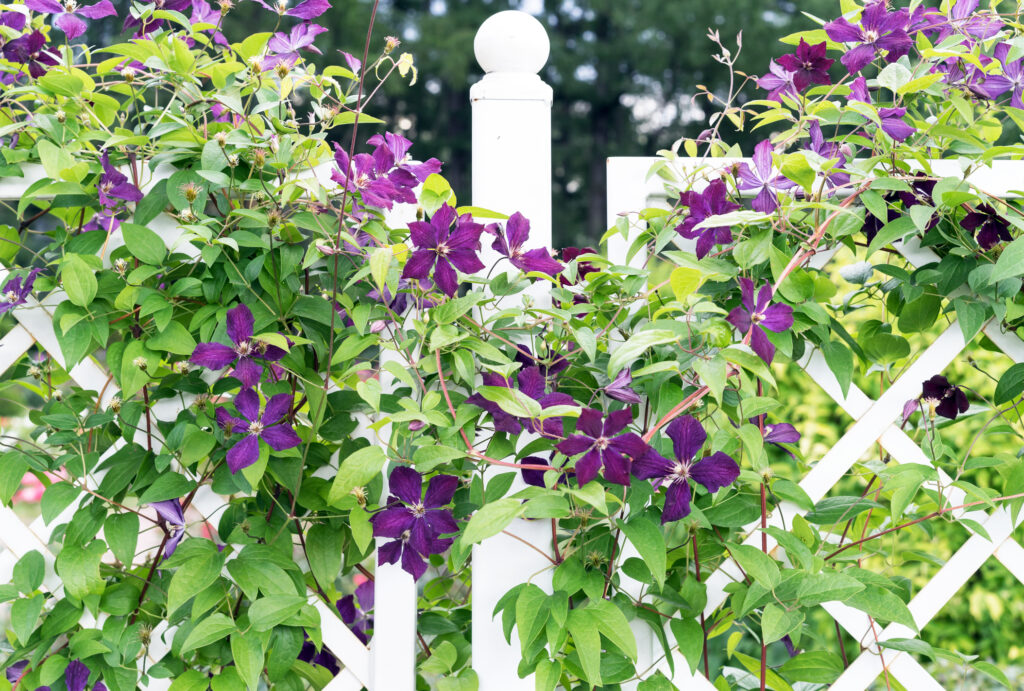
1010	263
992	671
1011	384
192	577
449	311
133	377
796	168
588	643
832	509
882	604
890	232
971	316
650	543
247	653
380	262
79	568
512	401
78	280
56	498
532	612
324	546
25	615
491	519
894	77
840	360
268	612
29	572
690	639
174	338
547	675
829	586
756	564
637	345
121	531
920	314
168	485
144	244
357	470
815	666
684	282
777	622
614	626
209	630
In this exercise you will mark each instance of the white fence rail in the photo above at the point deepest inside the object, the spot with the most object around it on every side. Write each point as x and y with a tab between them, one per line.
512	171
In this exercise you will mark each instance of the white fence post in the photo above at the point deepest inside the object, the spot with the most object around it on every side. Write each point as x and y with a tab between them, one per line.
511	172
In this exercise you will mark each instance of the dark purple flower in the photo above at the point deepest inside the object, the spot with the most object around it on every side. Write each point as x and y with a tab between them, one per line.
244	353
323	657
988	226
703	205
509	243
879	30
859	90
966	20
532	383
602	445
582	268
271	427
535	477
392	153
754	318
365	175
29	50
16	671
893	123
170	512
307	9
68	19
790	648
415	521
16	21
808	65
76	676
828	150
441	250
114	186
920	193
713	472
947	399
202	13
355	611
552	365
301	37
763	178
620	388
782	433
778	82
147	25
17	290
1012	78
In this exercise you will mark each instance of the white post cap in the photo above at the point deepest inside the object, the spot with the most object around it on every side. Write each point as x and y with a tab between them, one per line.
512	41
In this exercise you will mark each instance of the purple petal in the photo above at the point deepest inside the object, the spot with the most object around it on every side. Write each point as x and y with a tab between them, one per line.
783	433
842	31
651	465
858	58
72	26
76	675
412	562
170	511
739	318
244	453
392	522
629	444
445	277
281	437
247	371
539	260
587	467
517	230
104	8
44	6
441	521
617	421
777	318
406	484
715	471
677	502
590	423
309	9
575	445
616	467
389	552
761	345
440	491
277	407
465	260
419	264
240	324
213	355
687	435
763	158
248	403
766	201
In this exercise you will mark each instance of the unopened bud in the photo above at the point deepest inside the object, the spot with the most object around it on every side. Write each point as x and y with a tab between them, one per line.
180	367
390	43
222	139
191	191
128	73
115	404
121	267
61	116
141	363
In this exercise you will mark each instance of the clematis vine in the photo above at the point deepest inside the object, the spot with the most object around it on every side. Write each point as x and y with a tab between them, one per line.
30	50
244	353
16	290
946	399
170	512
965	19
532	383
1012	79
602	443
879	31
270	426
712	473
440	250
391	152
754	317
509	243
778	82
702	206
763	178
69	14
808	65
416	522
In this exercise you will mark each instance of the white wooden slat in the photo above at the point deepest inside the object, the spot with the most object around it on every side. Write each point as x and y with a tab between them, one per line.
13	345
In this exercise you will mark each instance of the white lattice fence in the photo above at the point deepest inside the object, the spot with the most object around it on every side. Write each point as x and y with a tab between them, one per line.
873	421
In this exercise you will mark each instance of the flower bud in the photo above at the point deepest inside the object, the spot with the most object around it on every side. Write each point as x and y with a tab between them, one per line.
191	191
390	43
141	363
180	367
115	404
61	116
121	267
128	73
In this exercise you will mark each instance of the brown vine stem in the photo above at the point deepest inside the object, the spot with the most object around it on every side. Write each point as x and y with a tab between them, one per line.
149	577
922	519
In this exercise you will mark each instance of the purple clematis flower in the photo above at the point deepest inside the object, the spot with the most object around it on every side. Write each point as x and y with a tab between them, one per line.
69	15
703	205
442	250
893	123
829	150
763	178
392	153
76	676
602	445
114	186
29	50
1012	78
988	226
202	13
808	65
620	388
859	90
147	25
713	472
17	290
355	611
754	318
778	82
532	383
415	521
370	179
947	399
243	354
301	37
532	476
271	427
782	433
322	658
509	243
16	21
16	671
879	30
308	9
966	20
170	512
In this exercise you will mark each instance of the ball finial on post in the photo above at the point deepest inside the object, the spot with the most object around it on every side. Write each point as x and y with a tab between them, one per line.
512	41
